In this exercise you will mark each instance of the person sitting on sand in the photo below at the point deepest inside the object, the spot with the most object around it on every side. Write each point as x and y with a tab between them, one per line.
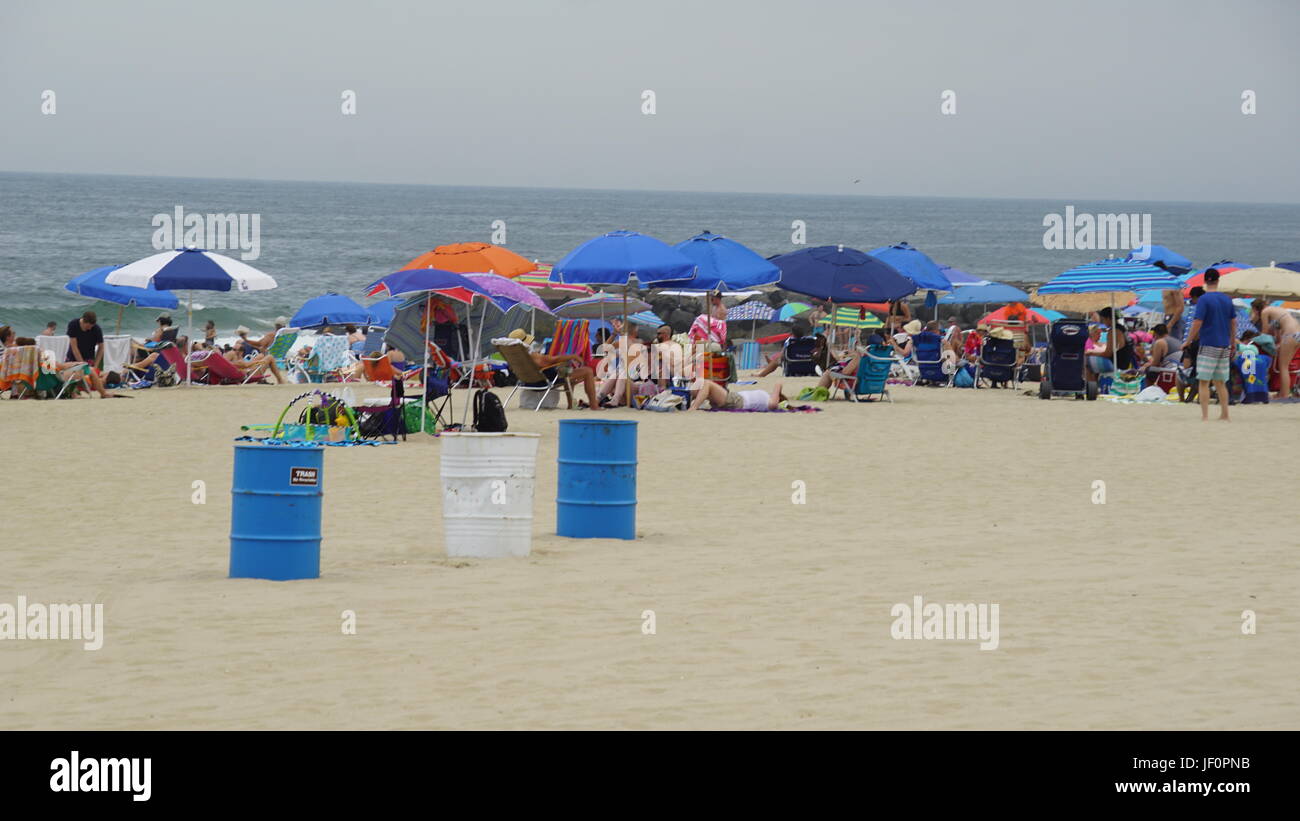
720	398
1166	352
549	366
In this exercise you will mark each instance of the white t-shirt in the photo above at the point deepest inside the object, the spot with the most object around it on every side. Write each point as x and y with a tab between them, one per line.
754	400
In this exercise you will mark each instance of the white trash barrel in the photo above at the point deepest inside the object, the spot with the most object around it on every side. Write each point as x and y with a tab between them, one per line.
487	493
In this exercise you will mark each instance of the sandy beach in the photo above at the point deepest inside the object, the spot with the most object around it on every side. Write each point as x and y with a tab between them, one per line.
768	614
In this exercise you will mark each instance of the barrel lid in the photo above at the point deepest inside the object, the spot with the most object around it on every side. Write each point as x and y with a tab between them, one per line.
597	422
281	445
487	433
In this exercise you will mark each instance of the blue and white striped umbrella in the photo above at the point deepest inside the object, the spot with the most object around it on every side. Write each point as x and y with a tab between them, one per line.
191	269
598	305
1110	276
756	310
645	318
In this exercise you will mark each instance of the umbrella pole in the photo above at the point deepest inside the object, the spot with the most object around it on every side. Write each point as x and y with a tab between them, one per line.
623	343
120	309
1114	354
189	339
424	373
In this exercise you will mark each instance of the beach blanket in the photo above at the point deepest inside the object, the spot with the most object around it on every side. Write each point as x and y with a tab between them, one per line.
791	409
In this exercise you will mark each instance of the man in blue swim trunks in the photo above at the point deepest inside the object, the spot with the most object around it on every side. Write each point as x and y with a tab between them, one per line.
1214	326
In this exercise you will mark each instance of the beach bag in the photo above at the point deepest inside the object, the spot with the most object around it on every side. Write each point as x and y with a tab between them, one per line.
964	378
411	416
1126	384
664	401
489	415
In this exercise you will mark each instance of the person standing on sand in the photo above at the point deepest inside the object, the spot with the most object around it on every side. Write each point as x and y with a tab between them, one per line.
1282	325
1214	326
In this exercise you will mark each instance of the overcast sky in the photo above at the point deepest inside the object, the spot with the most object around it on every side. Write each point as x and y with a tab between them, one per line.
1099	100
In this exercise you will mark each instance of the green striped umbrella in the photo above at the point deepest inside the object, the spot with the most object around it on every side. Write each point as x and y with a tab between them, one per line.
846	317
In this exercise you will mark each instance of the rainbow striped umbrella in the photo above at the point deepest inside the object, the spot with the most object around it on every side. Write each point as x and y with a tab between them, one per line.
540	281
846	317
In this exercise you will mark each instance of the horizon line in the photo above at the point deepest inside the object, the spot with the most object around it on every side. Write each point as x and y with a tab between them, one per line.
640	190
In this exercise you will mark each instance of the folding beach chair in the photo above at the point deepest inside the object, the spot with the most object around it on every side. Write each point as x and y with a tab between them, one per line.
281	345
873	373
529	375
218	371
330	359
380	368
997	362
927	353
176	359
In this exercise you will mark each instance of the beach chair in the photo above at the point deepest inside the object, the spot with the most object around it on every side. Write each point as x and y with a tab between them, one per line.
572	337
176	359
530	377
1063	372
797	356
218	371
927	354
281	345
997	362
330	359
380	368
873	373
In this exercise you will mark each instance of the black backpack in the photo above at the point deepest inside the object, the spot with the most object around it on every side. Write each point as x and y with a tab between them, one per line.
489	415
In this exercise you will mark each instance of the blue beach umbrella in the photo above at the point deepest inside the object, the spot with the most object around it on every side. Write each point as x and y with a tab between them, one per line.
960	278
1161	257
840	274
723	264
381	313
619	257
914	265
93	284
990	294
191	269
329	309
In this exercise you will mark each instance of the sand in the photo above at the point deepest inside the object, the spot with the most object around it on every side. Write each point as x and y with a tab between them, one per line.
768	614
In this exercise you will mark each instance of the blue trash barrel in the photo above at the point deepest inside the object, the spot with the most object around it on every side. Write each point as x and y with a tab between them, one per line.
275	511
596	492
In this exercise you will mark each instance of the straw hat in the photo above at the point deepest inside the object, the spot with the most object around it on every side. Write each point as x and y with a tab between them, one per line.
913	327
282	320
1002	333
522	335
241	330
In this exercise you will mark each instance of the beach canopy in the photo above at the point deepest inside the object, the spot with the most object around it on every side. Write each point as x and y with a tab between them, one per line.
93	284
600	305
381	313
619	257
723	264
473	258
846	316
992	293
329	309
191	269
427	280
507	293
914	265
1020	313
1161	257
1267	281
755	311
840	274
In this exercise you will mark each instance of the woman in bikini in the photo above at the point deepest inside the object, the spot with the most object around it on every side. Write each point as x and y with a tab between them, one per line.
1285	328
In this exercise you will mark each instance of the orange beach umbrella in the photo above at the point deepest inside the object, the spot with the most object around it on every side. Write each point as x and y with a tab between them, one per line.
473	258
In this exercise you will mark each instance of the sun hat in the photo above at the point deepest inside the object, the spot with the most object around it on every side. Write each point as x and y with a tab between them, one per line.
1002	333
282	320
522	335
913	327
241	330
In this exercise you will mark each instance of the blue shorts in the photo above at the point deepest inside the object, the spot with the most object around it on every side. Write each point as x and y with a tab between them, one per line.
1100	364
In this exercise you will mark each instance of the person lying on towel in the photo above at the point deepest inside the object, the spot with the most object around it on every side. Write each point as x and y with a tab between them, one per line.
719	398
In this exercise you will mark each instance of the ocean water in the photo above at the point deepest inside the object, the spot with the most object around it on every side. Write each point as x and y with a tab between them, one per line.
317	237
